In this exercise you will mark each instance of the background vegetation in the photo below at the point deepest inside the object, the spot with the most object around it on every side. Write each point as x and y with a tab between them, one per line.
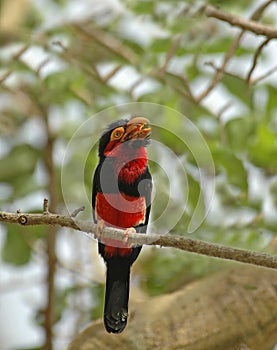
64	61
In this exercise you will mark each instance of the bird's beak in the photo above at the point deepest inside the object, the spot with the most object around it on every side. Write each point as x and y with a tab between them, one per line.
137	128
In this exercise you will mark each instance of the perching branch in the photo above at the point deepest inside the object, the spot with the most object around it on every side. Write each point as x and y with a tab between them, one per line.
249	25
166	240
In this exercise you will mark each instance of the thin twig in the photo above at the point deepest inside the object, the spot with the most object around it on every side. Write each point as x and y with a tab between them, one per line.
45	206
171	53
259	11
264	75
255	59
59	44
167	240
230	52
73	58
220	71
42	65
109	75
5	76
136	84
249	25
21	51
223	109
77	211
109	42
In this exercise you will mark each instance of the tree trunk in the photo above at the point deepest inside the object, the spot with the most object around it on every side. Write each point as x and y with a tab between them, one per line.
233	309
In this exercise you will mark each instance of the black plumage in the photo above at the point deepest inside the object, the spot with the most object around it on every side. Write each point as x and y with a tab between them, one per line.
118	266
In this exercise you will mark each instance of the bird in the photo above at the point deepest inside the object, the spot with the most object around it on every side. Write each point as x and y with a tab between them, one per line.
121	198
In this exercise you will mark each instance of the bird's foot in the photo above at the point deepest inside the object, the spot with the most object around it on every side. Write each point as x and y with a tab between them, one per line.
126	235
99	229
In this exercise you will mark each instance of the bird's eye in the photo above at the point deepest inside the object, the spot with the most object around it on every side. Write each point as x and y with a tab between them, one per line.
117	133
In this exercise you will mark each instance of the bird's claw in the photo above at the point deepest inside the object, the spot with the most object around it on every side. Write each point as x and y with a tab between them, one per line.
99	229
126	234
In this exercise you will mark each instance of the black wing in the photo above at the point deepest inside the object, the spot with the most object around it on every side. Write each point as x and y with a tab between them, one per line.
95	190
145	190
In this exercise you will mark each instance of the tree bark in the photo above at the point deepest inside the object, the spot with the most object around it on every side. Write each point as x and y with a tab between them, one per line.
166	240
233	309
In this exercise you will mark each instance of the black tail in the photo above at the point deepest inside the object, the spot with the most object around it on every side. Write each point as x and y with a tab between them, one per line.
117	294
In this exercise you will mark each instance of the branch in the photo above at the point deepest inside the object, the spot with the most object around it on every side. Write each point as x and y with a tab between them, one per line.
166	240
49	311
264	75
171	53
208	11
257	28
220	72
109	42
255	59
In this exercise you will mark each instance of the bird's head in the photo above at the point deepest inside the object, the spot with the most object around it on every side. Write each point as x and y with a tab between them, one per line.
124	134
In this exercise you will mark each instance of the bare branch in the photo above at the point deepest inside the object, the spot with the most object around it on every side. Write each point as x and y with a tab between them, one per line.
259	11
167	240
264	75
5	76
45	206
171	53
249	25
220	71
21	51
108	76
230	52
255	59
42	65
77	211
109	42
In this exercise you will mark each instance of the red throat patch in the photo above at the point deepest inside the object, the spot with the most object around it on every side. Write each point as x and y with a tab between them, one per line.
129	163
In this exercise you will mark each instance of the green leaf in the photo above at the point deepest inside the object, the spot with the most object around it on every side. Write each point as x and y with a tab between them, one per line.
16	250
165	93
238	87
179	25
222	44
144	7
160	45
271	99
194	191
21	161
192	71
161	274
98	292
62	84
238	132
196	203
233	167
263	151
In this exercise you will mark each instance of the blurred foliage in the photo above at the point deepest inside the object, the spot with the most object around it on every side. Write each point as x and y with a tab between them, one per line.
19	242
65	68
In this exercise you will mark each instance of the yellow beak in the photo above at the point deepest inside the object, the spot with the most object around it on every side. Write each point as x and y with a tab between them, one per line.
137	128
